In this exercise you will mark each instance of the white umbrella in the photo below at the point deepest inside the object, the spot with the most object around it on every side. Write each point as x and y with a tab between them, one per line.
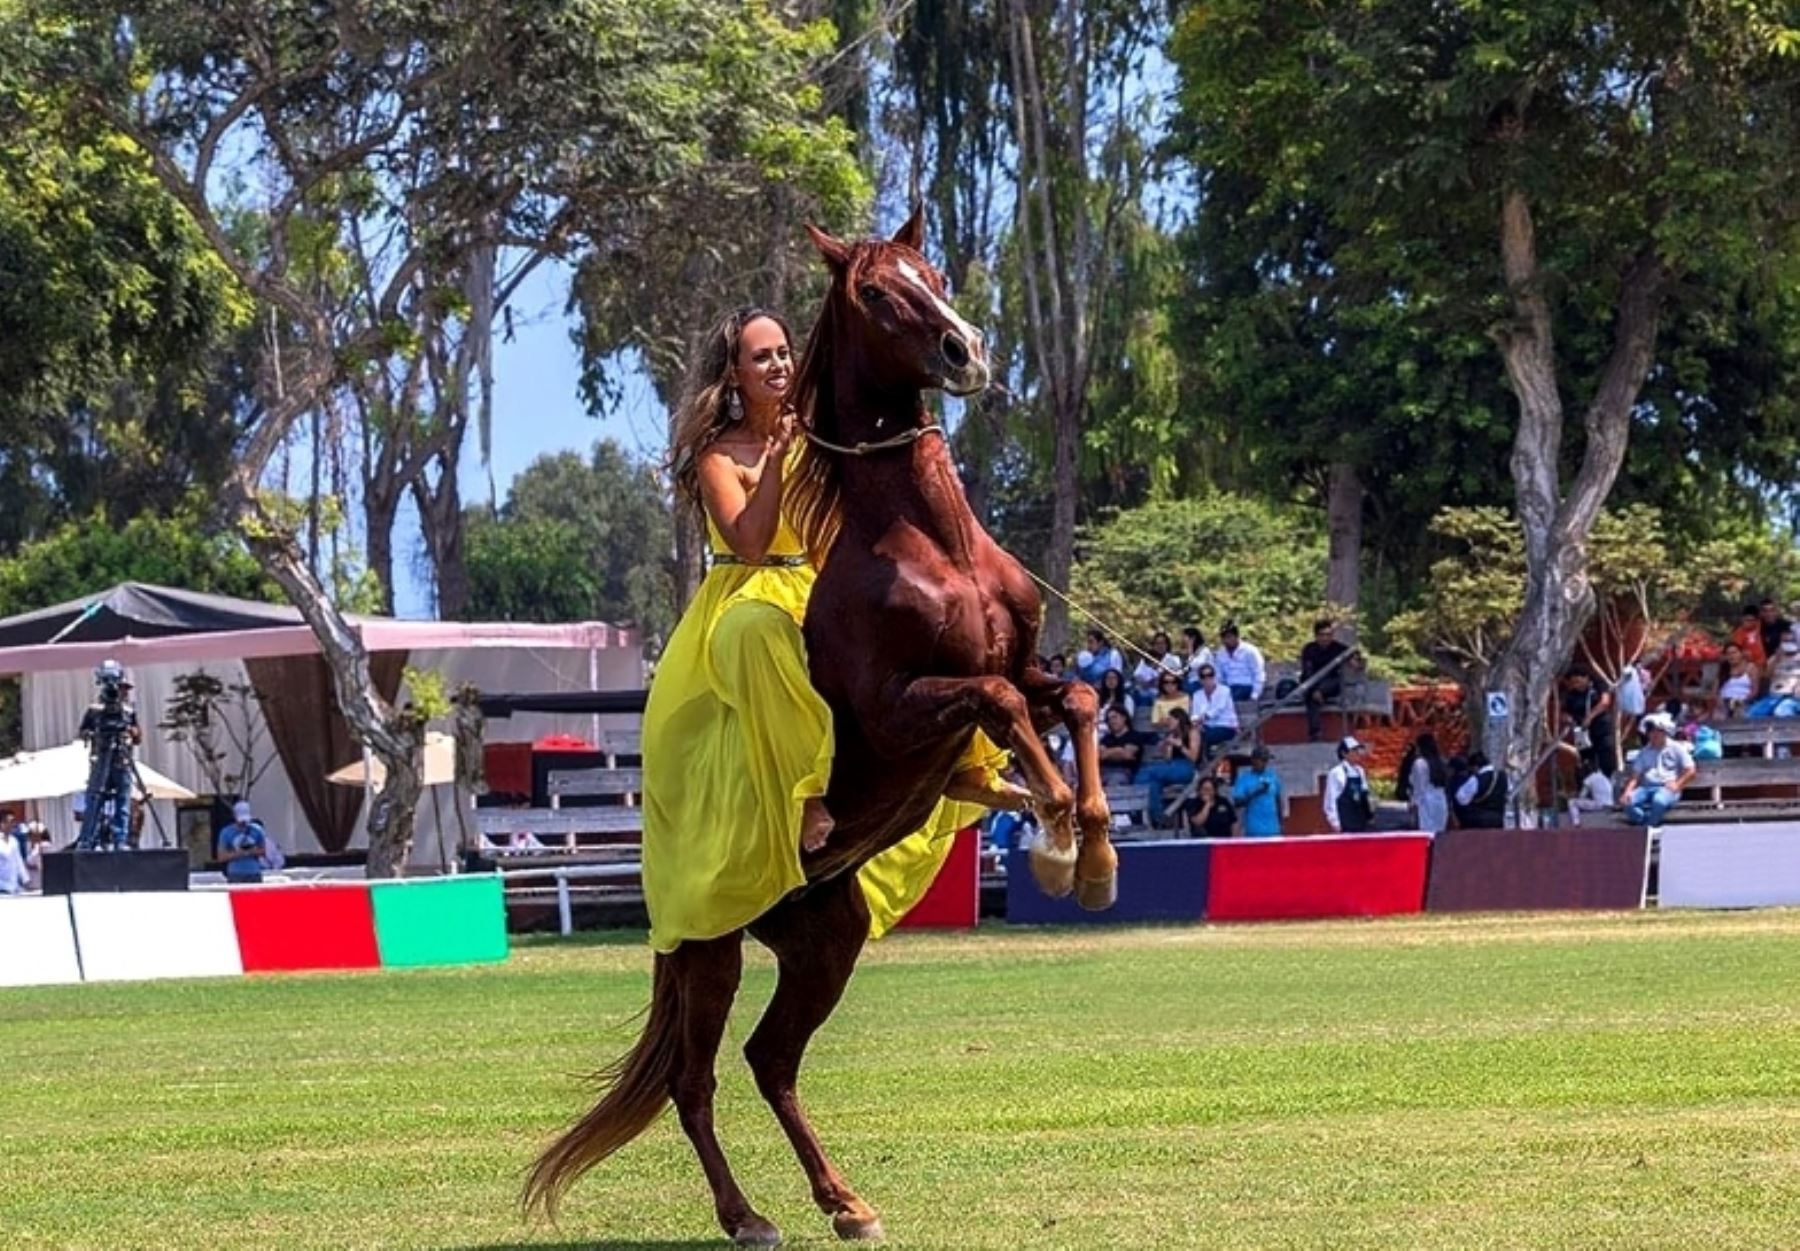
60	771
440	765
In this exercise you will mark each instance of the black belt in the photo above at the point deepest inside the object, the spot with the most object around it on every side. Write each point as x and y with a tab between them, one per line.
767	562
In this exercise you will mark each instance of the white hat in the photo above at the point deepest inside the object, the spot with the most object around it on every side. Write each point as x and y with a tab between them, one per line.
241	810
1657	721
1351	743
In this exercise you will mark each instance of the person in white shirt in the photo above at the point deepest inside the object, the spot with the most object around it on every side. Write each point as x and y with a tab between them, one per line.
1147	675
1240	665
1596	795
1199	655
1349	805
1213	711
12	867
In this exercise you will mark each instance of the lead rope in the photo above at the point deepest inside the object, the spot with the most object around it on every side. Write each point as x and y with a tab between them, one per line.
1111	633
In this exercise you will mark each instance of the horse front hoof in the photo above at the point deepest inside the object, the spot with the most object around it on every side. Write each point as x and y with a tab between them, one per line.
756	1232
1097	894
1054	870
857	1226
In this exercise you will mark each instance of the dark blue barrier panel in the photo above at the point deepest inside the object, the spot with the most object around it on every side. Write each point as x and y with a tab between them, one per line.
1160	881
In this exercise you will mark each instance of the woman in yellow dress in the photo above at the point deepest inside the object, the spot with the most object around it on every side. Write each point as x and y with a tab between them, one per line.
737	743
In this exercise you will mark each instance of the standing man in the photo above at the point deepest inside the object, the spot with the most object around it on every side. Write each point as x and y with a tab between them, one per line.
243	846
1660	771
1257	794
1214	712
1349	805
1240	665
1481	797
1316	657
1587	710
1775	627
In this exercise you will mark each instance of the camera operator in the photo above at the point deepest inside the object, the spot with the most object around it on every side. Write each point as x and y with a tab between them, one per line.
110	729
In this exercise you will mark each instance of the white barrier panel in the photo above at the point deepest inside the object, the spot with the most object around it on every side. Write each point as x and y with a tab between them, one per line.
37	942
1729	866
133	936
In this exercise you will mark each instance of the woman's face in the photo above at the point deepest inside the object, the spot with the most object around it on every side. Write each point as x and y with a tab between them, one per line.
1159	643
1110	680
1168	685
765	365
1209	790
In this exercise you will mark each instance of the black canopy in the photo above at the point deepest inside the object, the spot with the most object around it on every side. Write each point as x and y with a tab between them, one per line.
140	610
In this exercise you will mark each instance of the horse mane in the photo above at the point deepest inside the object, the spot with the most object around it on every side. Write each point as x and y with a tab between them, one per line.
815	493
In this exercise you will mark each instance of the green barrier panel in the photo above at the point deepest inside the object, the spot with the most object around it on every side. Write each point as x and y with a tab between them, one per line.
446	920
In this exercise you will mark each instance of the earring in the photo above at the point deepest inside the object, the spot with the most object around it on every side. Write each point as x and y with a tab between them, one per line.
734	405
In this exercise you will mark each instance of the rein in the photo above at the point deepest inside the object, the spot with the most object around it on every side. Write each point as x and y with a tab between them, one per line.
885	445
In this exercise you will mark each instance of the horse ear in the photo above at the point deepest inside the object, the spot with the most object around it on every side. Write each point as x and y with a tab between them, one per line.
912	232
835	251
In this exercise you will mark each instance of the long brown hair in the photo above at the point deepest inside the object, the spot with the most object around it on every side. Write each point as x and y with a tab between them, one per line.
701	415
814	492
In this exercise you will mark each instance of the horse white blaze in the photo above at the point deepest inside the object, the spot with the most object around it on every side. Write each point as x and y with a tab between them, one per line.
970	335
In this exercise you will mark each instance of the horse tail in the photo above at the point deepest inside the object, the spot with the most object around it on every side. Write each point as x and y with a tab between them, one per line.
636	1089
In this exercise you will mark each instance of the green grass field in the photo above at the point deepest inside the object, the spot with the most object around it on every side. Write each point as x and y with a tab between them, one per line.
1620	1081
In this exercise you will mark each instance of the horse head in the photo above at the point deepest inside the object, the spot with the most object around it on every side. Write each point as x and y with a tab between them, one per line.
888	311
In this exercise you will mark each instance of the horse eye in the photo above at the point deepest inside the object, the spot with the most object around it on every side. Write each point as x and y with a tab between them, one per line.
869	293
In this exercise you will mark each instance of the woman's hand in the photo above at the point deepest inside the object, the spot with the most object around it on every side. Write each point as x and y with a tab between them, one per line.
782	439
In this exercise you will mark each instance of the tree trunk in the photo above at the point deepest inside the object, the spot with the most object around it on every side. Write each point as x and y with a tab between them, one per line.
378	522
440	521
1059	561
1344	528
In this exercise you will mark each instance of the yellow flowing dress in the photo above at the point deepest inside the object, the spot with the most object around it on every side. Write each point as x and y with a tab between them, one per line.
735	740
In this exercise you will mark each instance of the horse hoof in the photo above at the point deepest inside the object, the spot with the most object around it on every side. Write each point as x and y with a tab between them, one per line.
1054	871
1097	894
756	1232
857	1227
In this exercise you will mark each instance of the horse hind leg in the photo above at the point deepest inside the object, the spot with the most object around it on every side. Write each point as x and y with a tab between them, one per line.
709	973
816	938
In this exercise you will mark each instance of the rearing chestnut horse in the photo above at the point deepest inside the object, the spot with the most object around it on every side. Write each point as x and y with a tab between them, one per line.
919	630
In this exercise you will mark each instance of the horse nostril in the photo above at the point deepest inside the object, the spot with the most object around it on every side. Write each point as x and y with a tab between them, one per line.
956	353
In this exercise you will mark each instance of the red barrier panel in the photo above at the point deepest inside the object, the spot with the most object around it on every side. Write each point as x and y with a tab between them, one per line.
954	900
312	927
1350	875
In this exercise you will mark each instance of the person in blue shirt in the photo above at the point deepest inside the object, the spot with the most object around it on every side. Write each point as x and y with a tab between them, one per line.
243	846
1257	794
1092	662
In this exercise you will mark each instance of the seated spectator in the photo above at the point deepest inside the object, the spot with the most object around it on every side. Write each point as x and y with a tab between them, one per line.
1596	796
1749	638
1173	760
15	829
1349	803
1773	626
1239	664
1741	676
1257	794
1481	795
1146	676
1316	657
1660	771
1113	691
1783	676
1058	666
13	873
242	846
1121	748
1168	695
1092	662
1210	813
1197	656
1427	785
1213	711
1587	718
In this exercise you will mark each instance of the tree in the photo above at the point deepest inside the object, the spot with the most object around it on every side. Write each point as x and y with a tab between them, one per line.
526	124
1564	175
223	729
576	540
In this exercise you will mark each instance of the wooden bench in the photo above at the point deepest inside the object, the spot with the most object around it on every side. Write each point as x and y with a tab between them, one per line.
574	829
614	783
1717	776
1132	801
1766	733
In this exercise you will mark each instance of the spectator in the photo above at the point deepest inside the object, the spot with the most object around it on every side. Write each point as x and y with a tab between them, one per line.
243	845
1316	657
1178	754
1660	771
13	873
1427	786
1773	626
13	828
1257	795
1113	691
1587	718
1092	662
1168	695
1121	748
1748	636
1596	795
1741	678
1783	674
1198	656
1058	667
1146	677
1210	813
1481	796
1213	711
1349	804
1240	665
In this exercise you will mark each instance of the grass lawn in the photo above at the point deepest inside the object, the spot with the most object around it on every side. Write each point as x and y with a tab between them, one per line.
1553	1081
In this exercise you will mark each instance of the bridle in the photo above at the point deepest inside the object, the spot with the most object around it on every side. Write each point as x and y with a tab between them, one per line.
905	439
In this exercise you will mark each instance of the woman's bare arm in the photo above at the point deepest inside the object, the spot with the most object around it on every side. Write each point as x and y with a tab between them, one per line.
747	519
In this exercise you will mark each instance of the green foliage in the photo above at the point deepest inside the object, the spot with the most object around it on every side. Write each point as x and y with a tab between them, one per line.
83	557
221	725
576	540
1174	563
427	698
